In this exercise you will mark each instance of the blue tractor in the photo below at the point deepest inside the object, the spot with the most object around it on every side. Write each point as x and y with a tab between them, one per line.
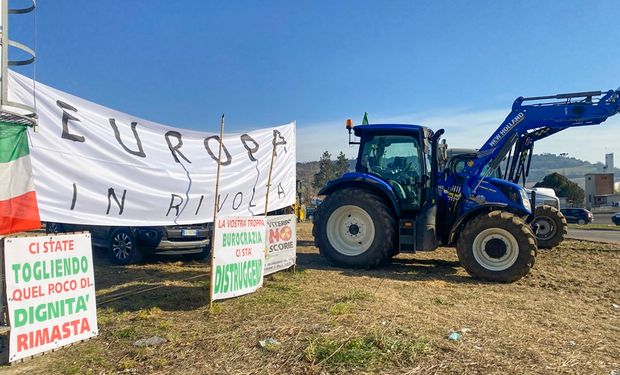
403	197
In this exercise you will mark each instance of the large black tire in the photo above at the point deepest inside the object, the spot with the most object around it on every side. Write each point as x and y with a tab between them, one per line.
123	248
552	227
497	246
354	228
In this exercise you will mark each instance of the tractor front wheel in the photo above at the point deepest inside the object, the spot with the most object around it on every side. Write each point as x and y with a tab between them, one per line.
497	246
354	228
552	226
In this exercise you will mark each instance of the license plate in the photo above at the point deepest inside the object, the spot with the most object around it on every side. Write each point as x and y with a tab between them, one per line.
189	232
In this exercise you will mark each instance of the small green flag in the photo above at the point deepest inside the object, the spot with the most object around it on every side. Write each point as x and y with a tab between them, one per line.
365	120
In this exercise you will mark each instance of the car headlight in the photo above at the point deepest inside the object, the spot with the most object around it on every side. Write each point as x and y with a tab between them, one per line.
525	199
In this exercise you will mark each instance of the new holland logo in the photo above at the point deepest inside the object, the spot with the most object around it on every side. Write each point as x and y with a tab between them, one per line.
503	131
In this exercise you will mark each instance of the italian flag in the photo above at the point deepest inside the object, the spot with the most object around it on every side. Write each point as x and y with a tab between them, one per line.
18	202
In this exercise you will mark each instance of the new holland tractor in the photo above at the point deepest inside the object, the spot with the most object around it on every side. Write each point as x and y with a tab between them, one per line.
402	198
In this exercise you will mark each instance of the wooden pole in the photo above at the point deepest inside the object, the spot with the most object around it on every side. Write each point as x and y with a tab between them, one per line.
273	156
215	207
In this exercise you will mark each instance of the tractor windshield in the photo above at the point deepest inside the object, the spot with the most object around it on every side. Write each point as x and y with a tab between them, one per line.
397	159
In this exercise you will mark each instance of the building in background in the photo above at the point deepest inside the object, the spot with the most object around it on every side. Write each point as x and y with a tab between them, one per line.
600	190
609	163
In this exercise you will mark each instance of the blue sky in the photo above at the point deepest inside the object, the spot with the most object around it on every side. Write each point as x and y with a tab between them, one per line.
452	64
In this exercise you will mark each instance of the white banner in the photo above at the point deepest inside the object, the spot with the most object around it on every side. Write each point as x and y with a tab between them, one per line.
95	165
238	256
281	243
50	287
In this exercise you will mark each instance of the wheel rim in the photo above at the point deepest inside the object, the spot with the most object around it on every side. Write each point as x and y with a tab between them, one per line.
121	246
495	249
581	222
546	227
350	230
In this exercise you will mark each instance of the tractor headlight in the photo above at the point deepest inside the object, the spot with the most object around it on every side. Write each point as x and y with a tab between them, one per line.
526	200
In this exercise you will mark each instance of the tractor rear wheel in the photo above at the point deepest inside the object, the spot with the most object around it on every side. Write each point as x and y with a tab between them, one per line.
497	246
354	228
552	226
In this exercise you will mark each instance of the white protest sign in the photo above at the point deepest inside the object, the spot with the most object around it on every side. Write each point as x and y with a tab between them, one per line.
94	165
238	256
50	287
281	243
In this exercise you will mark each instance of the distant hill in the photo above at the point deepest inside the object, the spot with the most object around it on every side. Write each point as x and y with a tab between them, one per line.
542	165
573	168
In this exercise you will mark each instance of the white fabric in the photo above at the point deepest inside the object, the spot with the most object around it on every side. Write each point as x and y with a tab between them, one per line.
74	176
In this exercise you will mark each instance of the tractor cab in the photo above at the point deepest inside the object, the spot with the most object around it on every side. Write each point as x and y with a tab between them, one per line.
399	155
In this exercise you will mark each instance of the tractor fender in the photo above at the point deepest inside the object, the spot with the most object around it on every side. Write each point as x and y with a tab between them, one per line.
364	181
488	207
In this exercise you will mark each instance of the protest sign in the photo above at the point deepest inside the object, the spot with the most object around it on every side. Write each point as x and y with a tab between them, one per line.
50	288
281	243
238	256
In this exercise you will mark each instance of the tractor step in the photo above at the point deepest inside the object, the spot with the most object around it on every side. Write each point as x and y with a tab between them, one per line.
406	236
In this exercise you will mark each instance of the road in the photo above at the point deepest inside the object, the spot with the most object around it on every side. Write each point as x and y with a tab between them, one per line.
600	218
609	236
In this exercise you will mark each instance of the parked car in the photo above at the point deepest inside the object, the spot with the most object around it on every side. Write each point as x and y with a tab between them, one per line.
126	245
615	218
544	196
577	215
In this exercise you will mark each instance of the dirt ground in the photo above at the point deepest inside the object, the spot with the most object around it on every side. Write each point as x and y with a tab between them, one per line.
563	318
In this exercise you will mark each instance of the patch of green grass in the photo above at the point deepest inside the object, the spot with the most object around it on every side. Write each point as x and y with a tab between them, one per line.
216	309
365	352
353	353
340	308
164	325
147	314
71	370
355	295
300	274
283	287
128	364
83	359
270	298
404	349
126	333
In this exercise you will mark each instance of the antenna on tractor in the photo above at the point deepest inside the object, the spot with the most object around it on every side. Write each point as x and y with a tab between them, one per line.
12	112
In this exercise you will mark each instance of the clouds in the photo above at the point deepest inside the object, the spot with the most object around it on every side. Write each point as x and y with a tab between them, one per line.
464	128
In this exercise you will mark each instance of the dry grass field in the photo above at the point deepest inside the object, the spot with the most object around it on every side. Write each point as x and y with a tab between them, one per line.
561	319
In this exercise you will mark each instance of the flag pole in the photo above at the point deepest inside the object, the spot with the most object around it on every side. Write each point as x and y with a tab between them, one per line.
216	201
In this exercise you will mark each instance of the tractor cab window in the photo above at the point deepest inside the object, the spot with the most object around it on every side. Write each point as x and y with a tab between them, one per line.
398	160
459	168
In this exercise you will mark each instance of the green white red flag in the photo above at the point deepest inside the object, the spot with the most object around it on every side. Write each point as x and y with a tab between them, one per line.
18	202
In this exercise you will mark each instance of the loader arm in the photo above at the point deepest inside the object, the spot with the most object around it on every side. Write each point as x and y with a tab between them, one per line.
528	123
